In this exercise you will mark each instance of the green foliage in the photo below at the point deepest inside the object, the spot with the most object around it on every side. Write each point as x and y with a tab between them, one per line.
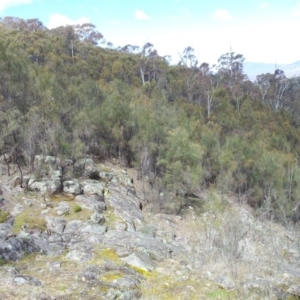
181	160
185	128
77	208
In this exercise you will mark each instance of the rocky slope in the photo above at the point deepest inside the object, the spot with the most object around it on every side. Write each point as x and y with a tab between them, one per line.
86	231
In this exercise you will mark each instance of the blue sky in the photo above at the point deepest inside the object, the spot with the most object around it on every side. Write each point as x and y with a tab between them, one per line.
264	31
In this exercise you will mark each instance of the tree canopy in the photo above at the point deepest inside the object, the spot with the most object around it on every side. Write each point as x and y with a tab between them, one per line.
186	127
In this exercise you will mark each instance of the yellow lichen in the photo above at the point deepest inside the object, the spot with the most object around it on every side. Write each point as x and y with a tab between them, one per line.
3	216
111	276
107	254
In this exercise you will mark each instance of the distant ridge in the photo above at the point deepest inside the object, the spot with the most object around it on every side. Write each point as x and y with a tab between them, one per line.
253	69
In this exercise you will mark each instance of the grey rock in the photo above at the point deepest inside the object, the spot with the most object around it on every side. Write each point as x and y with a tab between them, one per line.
46	160
121	226
5	230
97	218
55	174
80	253
140	260
17	209
3	170
21	279
92	202
39	186
55	238
73	226
14	248
115	293
127	282
52	185
143	227
56	224
130	295
106	175
72	187
112	294
85	167
99	207
91	273
133	241
165	236
63	208
294	290
23	234
124	205
92	187
77	231
28	202
92	228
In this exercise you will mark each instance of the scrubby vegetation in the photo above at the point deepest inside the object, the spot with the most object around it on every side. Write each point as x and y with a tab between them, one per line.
186	127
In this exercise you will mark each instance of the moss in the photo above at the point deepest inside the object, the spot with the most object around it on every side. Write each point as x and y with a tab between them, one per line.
28	219
77	208
220	294
3	216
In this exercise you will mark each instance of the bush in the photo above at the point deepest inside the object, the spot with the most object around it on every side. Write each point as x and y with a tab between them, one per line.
77	208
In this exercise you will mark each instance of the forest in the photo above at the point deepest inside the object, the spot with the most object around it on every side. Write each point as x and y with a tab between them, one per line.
188	127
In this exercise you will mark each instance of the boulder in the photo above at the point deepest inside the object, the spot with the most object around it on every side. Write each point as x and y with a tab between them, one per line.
56	224
63	208
80	253
5	230
46	164
51	185
93	229
140	260
14	248
72	187
93	202
136	241
126	206
108	176
97	218
85	167
93	187
21	279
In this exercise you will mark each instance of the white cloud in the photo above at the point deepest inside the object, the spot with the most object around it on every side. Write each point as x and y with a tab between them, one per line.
222	14
296	11
57	20
7	3
140	15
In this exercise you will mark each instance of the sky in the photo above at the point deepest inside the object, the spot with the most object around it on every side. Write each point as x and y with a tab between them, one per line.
263	31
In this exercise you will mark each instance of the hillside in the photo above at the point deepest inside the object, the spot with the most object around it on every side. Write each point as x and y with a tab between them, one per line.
203	143
96	241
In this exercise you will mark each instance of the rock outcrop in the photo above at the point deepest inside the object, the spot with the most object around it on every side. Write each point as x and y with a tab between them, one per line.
88	238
